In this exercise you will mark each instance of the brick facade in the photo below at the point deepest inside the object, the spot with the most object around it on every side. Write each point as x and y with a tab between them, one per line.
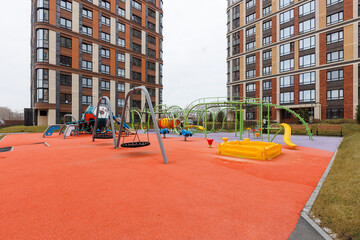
273	30
296	89
296	21
274	94
348	9
322	45
323	89
257	64
348	92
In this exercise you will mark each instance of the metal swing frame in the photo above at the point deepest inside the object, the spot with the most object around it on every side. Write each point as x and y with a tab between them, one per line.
108	105
148	99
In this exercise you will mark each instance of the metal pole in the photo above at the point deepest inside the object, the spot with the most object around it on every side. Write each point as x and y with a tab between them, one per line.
241	122
236	121
205	116
261	119
148	99
268	123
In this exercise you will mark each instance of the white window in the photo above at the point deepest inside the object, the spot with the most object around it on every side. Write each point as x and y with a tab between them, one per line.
335	18
121	57
105	20
307	61
250	45
286	97
307	26
136	5
121	12
284	3
87	13
87	48
65	23
105	4
267	55
267	70
332	2
250	74
307	43
121	72
267	25
336	94
307	78
286	49
250	18
267	85
66	5
121	27
87	30
335	75
105	85
250	31
121	87
267	10
335	37
307	8
105	53
335	56
121	42
250	4
250	59
286	16
267	40
307	96
105	69
86	82
250	87
287	81
105	37
86	65
286	32
120	103
286	65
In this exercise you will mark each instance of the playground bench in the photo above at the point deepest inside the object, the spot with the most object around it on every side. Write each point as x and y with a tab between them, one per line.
329	128
300	127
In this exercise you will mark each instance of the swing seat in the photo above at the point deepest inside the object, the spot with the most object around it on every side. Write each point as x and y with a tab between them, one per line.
135	144
105	135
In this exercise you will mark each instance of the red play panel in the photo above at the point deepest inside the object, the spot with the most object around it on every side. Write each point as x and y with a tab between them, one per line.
79	189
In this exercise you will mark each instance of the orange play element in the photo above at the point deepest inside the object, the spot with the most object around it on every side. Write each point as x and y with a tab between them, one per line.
250	149
168	123
79	189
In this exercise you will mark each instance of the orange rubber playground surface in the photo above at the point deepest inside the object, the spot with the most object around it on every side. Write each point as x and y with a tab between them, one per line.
79	189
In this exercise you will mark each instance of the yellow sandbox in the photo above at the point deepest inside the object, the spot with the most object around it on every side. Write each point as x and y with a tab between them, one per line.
247	149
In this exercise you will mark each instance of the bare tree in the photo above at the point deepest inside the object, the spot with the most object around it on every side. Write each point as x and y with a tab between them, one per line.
7	114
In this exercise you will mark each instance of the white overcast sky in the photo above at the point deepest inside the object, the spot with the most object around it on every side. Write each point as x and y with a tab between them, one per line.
194	52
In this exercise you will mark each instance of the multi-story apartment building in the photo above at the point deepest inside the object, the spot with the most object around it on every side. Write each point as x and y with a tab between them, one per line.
303	54
84	49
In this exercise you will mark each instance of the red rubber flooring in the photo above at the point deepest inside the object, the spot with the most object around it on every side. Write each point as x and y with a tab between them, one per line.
79	189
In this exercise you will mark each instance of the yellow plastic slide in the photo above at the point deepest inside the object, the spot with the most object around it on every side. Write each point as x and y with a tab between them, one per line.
287	136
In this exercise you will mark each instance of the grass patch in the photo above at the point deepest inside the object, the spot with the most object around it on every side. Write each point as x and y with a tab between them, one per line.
22	128
338	203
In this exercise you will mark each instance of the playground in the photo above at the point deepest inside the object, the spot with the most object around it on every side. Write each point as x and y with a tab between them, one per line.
107	184
78	189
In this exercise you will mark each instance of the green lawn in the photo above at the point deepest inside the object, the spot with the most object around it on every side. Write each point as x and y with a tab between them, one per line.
338	204
21	128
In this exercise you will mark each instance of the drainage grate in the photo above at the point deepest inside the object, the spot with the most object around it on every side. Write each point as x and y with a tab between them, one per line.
6	149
